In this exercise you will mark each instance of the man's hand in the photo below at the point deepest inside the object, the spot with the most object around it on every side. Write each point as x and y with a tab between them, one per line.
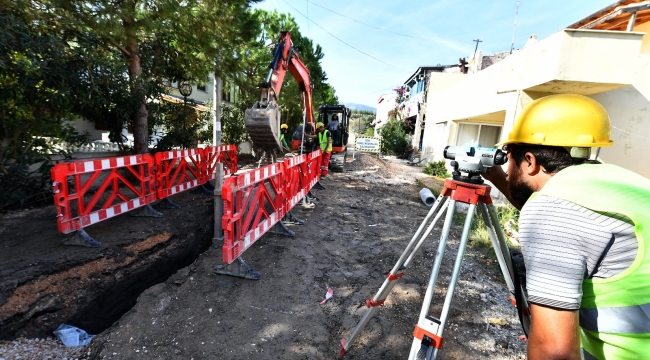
553	334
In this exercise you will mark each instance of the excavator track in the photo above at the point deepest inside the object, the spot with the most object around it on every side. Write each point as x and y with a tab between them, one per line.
263	126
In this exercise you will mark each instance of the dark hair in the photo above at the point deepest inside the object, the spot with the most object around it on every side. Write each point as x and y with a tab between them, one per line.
551	158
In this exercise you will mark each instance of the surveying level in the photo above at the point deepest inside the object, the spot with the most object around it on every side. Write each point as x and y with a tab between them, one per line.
474	160
428	333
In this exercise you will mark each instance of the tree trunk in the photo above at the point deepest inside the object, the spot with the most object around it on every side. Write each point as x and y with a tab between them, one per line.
139	117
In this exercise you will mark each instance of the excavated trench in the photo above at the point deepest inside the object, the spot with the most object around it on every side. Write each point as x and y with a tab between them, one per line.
95	291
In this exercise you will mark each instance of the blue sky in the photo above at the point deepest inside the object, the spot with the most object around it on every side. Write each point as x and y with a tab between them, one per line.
437	32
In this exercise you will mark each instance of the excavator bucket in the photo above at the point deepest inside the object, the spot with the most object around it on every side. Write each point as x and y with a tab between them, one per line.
263	126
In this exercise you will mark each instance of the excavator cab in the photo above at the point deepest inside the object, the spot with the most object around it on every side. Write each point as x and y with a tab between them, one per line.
339	132
297	139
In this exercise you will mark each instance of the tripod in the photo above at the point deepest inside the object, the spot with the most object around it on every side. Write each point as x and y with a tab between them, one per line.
427	336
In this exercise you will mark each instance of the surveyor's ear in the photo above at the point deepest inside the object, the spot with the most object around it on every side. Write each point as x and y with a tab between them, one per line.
529	165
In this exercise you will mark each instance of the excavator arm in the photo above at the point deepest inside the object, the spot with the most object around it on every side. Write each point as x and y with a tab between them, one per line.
263	119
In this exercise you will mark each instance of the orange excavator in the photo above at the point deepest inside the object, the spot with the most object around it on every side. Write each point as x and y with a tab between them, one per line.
263	119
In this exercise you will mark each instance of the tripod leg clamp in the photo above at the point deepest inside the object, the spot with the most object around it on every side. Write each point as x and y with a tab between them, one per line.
371	303
392	277
424	335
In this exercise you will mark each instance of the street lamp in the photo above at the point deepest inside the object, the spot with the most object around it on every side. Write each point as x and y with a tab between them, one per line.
185	89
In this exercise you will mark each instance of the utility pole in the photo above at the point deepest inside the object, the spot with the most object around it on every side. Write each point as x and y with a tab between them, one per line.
476	48
514	29
216	141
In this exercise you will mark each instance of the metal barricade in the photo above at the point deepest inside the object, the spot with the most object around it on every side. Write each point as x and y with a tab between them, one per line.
87	192
253	204
178	170
225	154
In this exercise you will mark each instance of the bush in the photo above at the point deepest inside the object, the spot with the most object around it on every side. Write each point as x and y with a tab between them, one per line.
479	237
24	179
437	168
393	138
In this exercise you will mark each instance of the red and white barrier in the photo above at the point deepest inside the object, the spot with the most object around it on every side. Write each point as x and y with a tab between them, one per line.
87	192
256	200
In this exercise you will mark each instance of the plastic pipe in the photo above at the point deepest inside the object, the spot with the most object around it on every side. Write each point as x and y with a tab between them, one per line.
427	197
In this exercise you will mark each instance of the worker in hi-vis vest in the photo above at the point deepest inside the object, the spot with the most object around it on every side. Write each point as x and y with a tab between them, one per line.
325	142
584	231
284	128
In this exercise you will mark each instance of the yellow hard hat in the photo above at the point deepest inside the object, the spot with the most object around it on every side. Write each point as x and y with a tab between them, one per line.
568	120
320	124
284	126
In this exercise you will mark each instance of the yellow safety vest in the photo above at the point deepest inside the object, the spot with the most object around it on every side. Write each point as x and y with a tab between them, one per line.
614	312
322	139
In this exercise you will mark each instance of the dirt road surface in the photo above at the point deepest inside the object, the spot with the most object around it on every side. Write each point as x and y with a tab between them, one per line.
358	229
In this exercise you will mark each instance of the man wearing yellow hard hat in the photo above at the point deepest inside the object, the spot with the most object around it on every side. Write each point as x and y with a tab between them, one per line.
584	230
284	128
325	141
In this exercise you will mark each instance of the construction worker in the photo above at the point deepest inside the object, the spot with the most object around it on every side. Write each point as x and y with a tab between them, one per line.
325	141
333	126
284	128
584	232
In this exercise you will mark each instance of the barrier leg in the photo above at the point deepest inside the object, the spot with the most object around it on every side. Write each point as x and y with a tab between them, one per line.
202	190
209	186
310	196
147	211
290	218
238	268
81	238
281	229
319	186
167	204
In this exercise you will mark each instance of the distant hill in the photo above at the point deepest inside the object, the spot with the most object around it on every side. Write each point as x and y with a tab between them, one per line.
354	106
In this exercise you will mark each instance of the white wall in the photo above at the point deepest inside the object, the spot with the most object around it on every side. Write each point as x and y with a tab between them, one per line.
605	65
387	104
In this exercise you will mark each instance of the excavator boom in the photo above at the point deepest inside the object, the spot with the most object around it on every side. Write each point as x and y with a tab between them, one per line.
263	119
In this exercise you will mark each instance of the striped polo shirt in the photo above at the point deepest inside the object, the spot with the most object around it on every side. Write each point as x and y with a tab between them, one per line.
564	243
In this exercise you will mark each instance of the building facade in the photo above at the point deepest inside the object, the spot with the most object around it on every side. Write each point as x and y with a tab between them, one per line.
611	65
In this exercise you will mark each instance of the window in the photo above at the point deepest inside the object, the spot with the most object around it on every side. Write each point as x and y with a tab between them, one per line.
225	92
201	87
486	135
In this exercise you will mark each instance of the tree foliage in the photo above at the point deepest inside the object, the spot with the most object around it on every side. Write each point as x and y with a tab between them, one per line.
36	78
176	40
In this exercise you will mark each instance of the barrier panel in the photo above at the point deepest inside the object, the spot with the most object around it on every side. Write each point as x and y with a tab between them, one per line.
253	203
312	168
225	154
178	170
87	192
293	172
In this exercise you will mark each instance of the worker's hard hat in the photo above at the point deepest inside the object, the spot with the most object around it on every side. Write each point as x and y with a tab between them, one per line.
284	126
568	120
320	124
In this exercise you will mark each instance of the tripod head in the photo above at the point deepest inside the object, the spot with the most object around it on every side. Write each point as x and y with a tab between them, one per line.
473	160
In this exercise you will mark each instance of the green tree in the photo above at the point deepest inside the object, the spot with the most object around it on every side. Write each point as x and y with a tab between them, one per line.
37	74
178	40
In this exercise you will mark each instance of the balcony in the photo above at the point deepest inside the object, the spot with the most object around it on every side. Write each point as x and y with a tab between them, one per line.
574	61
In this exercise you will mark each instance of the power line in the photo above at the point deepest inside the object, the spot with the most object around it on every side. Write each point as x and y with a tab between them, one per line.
378	28
629	133
514	29
332	35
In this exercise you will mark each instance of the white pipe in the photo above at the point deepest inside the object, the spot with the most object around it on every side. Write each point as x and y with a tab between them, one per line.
427	197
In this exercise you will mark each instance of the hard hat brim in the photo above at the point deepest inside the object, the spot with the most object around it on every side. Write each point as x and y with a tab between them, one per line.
605	144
